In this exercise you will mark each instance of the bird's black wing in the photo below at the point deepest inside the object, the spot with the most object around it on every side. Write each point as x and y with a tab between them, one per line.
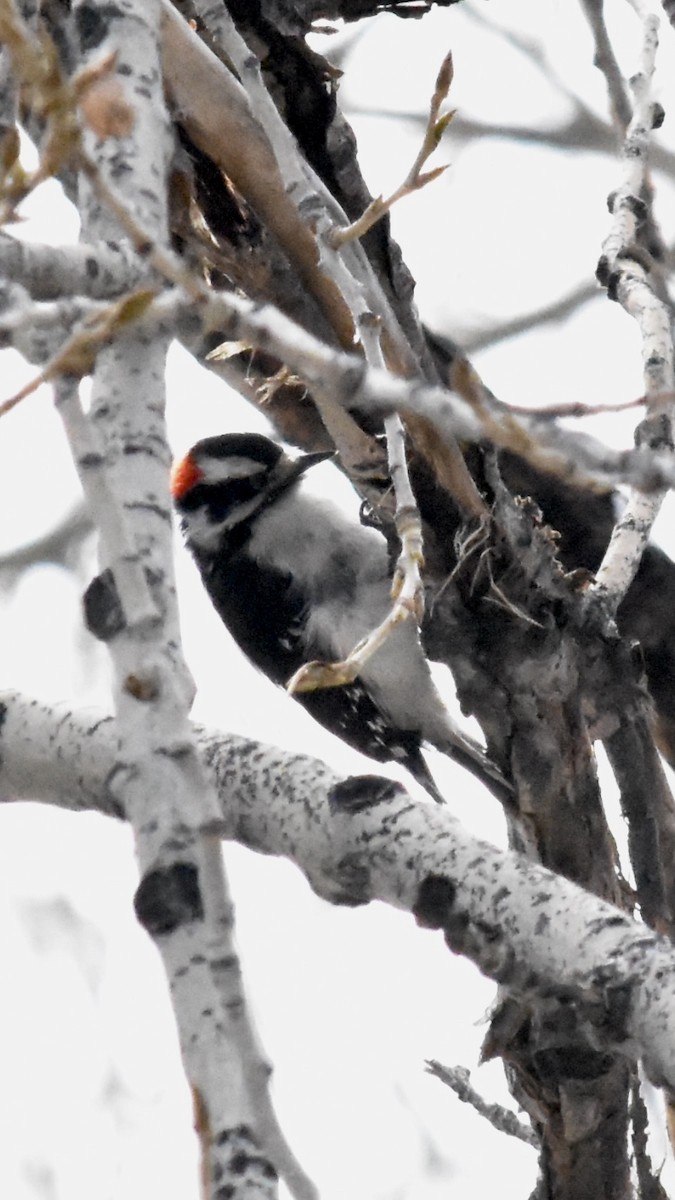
351	713
263	610
265	613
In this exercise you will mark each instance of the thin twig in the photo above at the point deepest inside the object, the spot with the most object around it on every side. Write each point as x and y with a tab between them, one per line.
650	1185
499	1117
583	131
491	335
407	587
59	545
415	179
578	408
605	61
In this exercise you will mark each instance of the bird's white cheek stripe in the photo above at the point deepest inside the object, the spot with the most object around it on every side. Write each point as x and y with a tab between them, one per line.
204	532
201	530
219	470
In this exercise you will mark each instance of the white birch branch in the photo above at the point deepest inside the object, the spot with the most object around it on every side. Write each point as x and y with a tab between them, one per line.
37	331
123	458
125	477
627	275
363	839
101	270
574	457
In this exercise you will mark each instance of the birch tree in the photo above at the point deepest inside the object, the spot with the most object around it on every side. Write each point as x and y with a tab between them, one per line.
222	204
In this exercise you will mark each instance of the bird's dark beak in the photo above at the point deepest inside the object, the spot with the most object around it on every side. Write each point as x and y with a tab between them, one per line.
306	461
288	470
293	468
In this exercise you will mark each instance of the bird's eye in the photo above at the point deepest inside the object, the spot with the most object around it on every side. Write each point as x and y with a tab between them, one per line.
222	499
196	497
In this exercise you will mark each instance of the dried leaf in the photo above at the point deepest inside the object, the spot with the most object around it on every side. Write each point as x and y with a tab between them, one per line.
106	109
9	149
132	307
85	78
227	350
77	359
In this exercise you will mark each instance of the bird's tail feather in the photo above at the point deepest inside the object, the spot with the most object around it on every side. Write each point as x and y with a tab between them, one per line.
416	764
473	757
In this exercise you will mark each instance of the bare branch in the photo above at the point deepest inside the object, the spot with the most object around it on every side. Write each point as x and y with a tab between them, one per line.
557	310
77	354
624	271
414	180
407	587
605	61
159	780
99	271
558	451
36	67
59	545
502	1119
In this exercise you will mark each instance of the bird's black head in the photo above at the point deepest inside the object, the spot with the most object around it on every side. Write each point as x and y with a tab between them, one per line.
251	450
225	481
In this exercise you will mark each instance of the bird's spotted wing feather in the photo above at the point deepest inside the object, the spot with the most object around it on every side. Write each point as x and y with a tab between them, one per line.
351	713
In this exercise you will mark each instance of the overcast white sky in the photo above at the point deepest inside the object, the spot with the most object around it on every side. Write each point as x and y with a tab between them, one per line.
349	1003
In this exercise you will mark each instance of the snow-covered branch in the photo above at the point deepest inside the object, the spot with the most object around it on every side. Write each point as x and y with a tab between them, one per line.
361	839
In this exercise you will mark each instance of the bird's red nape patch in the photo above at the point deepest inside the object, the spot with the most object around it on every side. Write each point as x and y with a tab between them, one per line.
184	475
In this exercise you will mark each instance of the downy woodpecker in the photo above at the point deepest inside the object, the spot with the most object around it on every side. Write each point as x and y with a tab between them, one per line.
294	579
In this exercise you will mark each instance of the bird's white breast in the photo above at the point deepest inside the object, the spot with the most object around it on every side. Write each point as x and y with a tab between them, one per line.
342	568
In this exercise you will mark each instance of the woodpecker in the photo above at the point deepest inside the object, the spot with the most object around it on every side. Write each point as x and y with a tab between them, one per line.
294	579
